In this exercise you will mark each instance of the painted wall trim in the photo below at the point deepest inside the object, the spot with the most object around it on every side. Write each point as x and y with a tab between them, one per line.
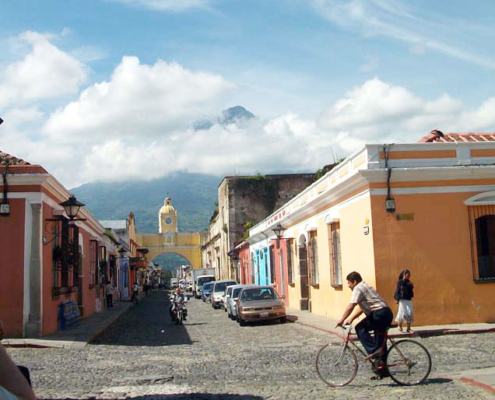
481	199
433	190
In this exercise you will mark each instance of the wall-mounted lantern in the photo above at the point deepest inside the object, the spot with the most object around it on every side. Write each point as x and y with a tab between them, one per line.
279	233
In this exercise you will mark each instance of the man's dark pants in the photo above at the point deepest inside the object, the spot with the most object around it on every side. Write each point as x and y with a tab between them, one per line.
109	300
377	321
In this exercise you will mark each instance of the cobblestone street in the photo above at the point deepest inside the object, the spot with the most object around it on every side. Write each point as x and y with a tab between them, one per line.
144	355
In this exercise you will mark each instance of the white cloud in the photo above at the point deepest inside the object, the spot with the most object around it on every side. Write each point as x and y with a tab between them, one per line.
379	112
139	101
165	5
45	72
394	19
137	124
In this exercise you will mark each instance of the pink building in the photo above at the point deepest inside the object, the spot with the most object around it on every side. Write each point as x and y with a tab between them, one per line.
46	259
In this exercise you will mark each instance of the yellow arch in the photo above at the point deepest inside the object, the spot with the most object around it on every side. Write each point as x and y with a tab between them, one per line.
188	245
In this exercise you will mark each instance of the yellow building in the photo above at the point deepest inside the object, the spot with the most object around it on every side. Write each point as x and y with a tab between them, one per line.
170	240
428	207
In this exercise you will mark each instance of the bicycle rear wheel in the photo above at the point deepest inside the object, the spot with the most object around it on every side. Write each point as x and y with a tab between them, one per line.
408	362
336	365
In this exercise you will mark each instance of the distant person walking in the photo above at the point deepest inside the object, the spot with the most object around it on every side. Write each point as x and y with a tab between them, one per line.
403	295
135	291
146	288
109	295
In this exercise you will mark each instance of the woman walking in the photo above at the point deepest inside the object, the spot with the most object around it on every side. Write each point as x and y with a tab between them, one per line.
403	295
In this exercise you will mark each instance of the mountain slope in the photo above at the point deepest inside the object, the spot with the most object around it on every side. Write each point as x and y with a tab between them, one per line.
193	196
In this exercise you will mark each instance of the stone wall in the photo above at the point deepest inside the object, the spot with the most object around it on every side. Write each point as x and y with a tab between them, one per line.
243	199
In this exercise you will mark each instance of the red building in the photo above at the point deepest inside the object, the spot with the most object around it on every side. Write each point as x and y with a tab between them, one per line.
47	259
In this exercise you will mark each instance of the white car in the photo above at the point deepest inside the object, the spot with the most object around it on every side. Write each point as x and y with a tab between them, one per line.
230	304
227	294
218	291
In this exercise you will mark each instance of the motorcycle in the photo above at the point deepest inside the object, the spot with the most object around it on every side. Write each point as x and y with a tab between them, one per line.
179	312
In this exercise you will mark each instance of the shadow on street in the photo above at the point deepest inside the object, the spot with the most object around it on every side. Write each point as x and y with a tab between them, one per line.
145	324
190	396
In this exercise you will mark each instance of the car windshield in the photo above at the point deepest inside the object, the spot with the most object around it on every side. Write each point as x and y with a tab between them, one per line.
236	292
220	286
258	294
207	286
203	279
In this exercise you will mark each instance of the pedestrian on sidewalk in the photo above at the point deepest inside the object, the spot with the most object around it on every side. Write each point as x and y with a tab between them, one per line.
109	295
135	291
146	289
403	295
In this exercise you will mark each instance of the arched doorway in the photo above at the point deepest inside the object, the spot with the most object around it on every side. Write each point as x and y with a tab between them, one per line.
303	272
169	263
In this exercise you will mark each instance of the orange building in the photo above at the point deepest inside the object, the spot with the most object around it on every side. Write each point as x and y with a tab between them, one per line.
428	207
45	259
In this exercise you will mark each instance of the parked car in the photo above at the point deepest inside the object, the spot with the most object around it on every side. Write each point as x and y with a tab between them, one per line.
259	304
206	291
231	305
227	294
218	291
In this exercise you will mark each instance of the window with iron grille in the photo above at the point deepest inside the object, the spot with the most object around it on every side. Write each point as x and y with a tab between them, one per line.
335	256
313	258
482	230
272	265
290	267
93	262
66	258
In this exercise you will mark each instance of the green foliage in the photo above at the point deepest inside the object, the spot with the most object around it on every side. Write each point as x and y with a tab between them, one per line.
259	176
192	196
321	172
247	226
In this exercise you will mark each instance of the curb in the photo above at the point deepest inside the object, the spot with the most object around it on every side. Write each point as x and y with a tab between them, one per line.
420	334
479	384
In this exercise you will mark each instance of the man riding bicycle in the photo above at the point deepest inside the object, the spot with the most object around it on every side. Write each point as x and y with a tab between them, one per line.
378	315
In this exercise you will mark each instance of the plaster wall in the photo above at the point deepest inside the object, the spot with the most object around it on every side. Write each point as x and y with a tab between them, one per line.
356	255
436	247
12	268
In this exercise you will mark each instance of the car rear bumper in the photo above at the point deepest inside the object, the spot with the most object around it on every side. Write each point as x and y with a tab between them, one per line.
262	316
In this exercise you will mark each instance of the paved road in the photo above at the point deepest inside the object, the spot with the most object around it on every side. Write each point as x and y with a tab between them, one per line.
145	356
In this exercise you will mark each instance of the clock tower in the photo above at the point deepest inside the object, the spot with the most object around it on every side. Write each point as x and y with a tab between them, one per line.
167	218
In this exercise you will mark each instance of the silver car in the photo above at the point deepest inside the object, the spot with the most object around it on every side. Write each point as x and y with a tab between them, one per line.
230	304
218	291
259	303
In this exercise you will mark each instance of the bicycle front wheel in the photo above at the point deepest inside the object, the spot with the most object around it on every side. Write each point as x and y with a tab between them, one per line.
408	362
336	365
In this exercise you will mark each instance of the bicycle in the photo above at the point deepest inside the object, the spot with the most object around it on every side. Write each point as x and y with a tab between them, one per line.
407	361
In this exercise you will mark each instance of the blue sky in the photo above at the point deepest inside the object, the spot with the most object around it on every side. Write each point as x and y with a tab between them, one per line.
103	82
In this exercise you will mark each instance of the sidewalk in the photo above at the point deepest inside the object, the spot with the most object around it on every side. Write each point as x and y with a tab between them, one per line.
78	336
483	378
328	325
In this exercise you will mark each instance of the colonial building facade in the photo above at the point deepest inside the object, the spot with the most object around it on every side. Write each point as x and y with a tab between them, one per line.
46	258
428	207
242	202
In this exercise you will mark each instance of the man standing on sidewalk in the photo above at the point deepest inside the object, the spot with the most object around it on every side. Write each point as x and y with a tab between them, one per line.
109	295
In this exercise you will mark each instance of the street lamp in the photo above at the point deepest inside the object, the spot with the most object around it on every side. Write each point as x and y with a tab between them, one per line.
279	232
122	252
72	207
